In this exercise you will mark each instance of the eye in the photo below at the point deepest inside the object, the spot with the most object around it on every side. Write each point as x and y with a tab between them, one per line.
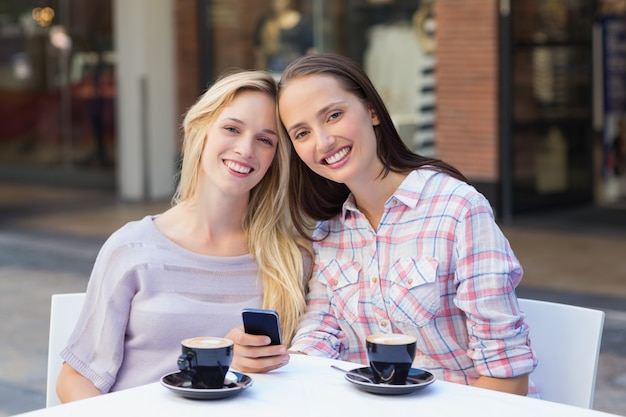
231	129
300	134
266	140
335	115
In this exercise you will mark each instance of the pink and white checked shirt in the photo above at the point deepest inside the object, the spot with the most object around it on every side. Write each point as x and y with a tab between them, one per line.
439	268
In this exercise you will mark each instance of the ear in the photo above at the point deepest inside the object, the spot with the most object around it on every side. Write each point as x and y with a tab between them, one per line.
373	116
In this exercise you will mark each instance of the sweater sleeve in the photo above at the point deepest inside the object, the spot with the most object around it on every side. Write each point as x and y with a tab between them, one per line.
96	347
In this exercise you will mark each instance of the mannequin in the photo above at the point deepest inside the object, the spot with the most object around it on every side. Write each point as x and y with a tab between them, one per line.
400	61
421	19
282	35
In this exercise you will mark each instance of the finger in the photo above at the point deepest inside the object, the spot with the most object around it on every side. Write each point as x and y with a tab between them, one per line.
259	365
235	334
254	352
245	339
239	337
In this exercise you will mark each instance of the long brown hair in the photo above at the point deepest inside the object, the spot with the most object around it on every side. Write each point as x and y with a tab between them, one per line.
313	197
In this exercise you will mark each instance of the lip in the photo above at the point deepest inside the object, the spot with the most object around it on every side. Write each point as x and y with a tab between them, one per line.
335	152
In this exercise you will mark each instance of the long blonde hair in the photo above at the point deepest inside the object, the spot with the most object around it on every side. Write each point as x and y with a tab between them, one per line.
270	236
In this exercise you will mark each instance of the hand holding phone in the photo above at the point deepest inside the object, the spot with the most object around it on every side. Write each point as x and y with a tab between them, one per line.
260	321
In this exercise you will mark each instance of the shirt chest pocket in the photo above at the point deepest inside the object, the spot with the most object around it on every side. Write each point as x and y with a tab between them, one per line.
414	291
343	280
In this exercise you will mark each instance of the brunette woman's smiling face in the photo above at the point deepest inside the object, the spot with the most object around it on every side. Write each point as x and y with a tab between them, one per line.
331	129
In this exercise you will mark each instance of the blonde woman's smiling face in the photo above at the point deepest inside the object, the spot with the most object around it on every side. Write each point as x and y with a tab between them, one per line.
331	129
241	143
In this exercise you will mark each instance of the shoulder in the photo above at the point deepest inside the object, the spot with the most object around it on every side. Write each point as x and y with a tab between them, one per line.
439	184
136	234
138	230
438	192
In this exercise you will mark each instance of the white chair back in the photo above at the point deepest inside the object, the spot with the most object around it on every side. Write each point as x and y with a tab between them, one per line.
566	339
64	312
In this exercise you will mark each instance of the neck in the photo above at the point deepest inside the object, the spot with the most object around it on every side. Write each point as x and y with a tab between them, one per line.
371	197
207	226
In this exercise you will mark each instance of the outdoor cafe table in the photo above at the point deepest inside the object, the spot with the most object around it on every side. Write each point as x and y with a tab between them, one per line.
308	386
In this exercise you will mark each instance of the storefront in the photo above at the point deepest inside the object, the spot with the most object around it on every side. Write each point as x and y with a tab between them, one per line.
508	91
546	150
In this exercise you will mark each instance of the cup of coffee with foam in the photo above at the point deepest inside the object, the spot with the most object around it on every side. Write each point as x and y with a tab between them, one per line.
390	357
206	360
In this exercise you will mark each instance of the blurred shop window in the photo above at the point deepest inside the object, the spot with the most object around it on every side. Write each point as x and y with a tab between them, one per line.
57	88
283	34
92	77
611	22
399	57
552	102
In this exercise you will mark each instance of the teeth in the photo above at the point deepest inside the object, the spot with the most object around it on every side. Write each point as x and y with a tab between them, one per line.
238	168
338	156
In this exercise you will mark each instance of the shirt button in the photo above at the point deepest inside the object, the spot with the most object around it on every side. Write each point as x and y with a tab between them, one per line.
394	202
383	323
410	281
375	280
334	282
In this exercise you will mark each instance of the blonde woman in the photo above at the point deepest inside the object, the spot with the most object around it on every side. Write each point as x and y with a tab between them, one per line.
225	244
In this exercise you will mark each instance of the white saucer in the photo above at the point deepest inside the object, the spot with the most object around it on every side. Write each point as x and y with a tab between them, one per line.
180	383
418	379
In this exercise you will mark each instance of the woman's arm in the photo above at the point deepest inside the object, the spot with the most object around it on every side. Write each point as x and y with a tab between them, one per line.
517	385
72	386
488	273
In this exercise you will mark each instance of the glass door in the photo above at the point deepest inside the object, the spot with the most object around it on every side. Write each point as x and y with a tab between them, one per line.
552	136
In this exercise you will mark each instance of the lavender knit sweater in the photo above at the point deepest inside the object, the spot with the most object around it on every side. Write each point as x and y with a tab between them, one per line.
144	296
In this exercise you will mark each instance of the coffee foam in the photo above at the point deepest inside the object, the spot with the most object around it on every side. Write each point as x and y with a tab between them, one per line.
391	339
207	342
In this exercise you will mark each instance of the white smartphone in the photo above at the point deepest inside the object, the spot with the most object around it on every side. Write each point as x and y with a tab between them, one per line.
262	322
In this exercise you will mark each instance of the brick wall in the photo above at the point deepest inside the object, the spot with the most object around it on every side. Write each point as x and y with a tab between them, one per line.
187	55
233	24
467	86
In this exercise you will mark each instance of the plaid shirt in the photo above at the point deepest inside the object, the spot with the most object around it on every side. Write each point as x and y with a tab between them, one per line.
438	268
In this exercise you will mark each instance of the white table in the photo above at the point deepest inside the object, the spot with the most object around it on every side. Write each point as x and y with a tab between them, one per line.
307	386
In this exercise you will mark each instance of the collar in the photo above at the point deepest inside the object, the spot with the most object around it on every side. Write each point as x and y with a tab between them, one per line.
408	193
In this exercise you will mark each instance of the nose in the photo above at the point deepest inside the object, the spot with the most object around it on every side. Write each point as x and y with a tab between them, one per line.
325	141
245	146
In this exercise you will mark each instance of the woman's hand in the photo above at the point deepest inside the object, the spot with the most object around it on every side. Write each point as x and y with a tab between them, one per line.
254	354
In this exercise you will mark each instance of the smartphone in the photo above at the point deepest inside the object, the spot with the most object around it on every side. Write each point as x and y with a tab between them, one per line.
262	322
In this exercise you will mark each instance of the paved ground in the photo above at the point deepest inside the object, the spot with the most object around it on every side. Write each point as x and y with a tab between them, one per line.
49	239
